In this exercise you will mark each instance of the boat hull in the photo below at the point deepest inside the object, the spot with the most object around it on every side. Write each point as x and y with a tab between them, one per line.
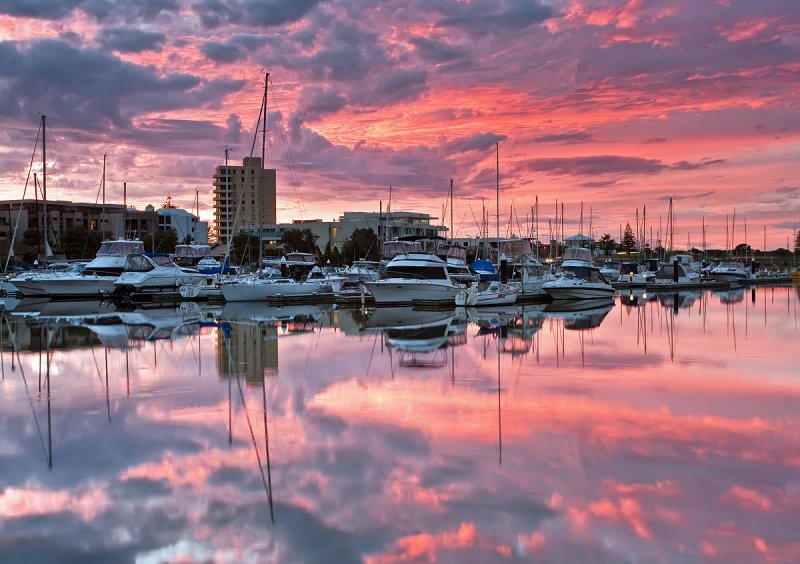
62	288
244	292
406	292
578	291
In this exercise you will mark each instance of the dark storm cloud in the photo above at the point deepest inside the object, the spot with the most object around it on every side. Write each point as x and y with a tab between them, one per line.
482	16
252	12
101	9
567	137
90	89
477	142
129	40
686	165
221	52
42	9
437	51
604	164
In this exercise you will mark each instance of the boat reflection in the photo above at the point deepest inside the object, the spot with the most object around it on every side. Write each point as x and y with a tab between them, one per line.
580	315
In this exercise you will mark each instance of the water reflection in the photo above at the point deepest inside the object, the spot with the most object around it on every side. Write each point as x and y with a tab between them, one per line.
662	428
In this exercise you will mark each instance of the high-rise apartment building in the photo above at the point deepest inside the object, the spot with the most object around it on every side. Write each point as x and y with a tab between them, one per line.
248	188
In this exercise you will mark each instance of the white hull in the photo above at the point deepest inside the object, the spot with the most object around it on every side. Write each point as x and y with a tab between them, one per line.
157	282
730	277
65	287
408	291
578	290
254	292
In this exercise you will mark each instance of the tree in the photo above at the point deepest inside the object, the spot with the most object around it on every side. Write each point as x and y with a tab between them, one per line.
607	244
299	240
77	242
165	241
797	242
363	243
168	204
336	257
244	248
628	239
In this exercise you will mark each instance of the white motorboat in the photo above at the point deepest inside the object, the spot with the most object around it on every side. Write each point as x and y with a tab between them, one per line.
207	288
197	257
91	281
580	280
495	293
145	274
611	270
730	271
268	287
675	272
414	277
634	274
328	277
363	271
529	275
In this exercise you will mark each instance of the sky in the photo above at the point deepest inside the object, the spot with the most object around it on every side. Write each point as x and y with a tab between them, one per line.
611	104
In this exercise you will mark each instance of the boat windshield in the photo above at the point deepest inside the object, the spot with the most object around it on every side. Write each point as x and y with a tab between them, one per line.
192	251
584	273
138	263
419	272
120	248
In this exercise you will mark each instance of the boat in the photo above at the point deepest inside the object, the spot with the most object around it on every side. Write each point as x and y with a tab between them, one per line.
611	270
580	279
328	278
269	285
414	277
363	270
730	271
493	294
294	265
675	272
456	259
634	274
198	257
93	280
146	274
207	288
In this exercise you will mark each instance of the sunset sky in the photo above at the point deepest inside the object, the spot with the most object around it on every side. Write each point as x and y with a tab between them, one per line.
617	104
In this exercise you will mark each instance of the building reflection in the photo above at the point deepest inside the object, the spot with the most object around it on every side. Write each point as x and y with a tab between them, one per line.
247	343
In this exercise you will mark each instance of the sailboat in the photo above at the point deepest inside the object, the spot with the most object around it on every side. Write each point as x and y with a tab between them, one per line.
89	281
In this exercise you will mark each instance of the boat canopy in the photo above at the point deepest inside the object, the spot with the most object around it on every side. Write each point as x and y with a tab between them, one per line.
120	248
578	253
393	248
192	251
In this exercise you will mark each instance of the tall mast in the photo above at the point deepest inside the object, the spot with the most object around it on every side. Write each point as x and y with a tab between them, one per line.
124	209
264	125
103	216
452	223
497	196
227	203
44	161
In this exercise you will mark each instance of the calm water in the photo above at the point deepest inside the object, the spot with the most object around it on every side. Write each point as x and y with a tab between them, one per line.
658	428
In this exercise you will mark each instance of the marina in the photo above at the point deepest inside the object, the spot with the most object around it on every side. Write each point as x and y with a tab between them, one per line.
663	421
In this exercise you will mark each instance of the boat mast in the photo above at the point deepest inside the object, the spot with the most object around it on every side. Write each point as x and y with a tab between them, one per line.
103	212
452	224
44	183
263	160
497	197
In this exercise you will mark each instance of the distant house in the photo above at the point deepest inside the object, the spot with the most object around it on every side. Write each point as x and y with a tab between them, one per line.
579	240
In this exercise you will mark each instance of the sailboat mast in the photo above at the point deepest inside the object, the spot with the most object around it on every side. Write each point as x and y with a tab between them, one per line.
103	216
497	196
264	125
44	161
452	223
